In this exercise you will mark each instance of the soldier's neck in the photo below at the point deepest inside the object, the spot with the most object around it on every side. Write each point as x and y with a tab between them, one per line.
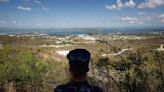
79	79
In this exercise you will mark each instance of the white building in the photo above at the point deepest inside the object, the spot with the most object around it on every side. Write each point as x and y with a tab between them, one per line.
62	52
86	37
161	48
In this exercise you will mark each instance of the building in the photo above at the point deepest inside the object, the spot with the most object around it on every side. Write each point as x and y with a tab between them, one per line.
161	48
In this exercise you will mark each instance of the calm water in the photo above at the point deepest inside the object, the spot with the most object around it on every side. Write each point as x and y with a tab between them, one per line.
75	31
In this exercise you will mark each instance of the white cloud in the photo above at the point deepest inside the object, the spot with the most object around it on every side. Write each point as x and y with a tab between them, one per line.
4	0
52	24
151	4
130	4
116	6
147	16
40	24
110	7
37	1
42	7
152	17
162	20
14	22
45	9
161	17
141	13
131	20
24	8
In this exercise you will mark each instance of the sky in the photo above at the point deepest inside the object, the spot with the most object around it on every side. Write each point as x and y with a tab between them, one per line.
81	13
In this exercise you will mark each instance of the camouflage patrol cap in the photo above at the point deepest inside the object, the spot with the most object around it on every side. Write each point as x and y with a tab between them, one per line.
79	60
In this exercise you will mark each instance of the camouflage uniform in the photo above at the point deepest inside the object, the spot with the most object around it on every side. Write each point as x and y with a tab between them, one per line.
77	87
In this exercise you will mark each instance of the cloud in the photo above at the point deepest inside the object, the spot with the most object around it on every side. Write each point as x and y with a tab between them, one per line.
162	20
141	13
116	6
24	8
37	1
161	17
41	6
151	17
52	24
131	20
130	4
45	9
151	4
40	24
4	0
14	22
147	17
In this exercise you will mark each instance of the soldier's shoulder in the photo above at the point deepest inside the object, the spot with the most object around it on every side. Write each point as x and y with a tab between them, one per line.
59	88
97	89
68	86
64	87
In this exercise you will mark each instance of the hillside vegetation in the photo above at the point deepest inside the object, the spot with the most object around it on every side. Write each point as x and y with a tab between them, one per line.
25	67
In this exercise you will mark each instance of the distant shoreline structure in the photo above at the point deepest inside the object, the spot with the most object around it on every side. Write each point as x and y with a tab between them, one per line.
77	31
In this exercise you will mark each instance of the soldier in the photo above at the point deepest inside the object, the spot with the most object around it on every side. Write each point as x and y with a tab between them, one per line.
79	66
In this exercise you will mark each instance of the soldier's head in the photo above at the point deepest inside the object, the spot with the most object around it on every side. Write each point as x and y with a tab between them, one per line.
79	61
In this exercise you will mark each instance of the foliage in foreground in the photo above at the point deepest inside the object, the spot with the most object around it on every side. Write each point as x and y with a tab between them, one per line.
138	71
25	71
20	68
